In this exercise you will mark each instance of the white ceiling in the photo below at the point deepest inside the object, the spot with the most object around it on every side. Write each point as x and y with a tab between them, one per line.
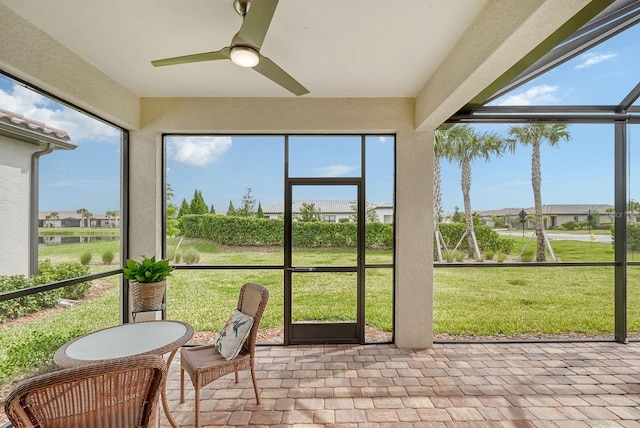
336	48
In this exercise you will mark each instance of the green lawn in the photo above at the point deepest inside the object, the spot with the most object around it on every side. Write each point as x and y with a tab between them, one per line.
470	301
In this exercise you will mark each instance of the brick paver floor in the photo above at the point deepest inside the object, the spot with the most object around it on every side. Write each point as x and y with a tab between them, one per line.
585	384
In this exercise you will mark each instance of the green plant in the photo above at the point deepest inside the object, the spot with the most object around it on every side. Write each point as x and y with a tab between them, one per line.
459	256
149	270
85	258
488	255
527	256
177	257
191	256
448	256
501	257
107	257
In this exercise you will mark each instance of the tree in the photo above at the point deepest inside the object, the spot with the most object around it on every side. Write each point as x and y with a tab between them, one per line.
212	210
231	210
464	146
456	217
85	215
534	134
247	209
260	213
633	207
370	214
308	212
198	205
173	224
184	208
115	215
55	215
441	140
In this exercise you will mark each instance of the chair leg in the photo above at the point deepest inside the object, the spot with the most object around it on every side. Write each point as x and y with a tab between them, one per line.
181	385
197	422
255	384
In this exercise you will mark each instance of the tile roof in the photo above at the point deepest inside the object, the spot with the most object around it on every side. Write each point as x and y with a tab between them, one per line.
322	206
551	209
63	215
21	122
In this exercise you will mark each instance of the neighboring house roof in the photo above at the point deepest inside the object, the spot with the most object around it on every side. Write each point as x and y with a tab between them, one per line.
332	207
322	206
64	215
551	209
21	128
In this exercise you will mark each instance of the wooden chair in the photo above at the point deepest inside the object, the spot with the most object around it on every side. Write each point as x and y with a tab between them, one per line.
116	393
205	364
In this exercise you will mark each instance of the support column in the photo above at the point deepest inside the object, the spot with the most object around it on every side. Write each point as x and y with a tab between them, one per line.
414	240
145	204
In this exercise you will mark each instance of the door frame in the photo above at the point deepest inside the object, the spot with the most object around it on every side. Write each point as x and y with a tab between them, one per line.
324	333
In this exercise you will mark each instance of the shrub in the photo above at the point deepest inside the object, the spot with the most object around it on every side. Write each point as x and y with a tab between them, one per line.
177	257
488	239
107	257
527	256
459	256
85	258
488	255
191	256
47	274
449	256
501	257
171	253
34	352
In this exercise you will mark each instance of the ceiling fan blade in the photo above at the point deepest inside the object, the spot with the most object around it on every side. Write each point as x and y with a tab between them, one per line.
206	56
270	70
255	23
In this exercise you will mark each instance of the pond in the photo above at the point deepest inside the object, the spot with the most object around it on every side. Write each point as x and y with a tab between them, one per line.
68	239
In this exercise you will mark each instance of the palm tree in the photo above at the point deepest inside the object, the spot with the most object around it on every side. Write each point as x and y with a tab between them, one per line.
113	215
442	137
84	214
55	215
534	134
463	146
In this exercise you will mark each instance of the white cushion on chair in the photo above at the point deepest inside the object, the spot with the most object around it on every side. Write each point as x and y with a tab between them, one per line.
230	339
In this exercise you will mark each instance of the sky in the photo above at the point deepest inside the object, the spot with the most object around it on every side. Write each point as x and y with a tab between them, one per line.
223	168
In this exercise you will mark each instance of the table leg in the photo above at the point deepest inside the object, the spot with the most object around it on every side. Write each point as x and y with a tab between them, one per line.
163	393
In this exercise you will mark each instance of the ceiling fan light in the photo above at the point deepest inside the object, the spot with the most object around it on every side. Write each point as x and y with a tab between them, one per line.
244	57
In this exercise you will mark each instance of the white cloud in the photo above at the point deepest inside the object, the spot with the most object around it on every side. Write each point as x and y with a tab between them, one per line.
335	170
593	58
197	151
542	94
382	139
34	106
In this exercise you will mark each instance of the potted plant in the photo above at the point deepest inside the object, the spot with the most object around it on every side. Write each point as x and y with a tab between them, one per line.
147	282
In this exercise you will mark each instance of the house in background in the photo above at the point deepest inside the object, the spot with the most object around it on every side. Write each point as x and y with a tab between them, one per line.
22	142
331	211
555	214
58	219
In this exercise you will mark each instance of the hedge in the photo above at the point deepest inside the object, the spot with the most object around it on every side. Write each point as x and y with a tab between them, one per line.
244	231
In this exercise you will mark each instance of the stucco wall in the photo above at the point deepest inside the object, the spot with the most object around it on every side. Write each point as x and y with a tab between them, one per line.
15	176
414	273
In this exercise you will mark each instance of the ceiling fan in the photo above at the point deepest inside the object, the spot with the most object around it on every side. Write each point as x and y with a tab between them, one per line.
245	46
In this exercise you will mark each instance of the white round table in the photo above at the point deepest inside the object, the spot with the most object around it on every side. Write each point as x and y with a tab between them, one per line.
152	337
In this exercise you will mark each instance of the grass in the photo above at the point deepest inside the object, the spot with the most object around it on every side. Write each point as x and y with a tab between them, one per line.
469	301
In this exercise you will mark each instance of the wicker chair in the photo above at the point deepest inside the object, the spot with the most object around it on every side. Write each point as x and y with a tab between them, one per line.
118	393
205	364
